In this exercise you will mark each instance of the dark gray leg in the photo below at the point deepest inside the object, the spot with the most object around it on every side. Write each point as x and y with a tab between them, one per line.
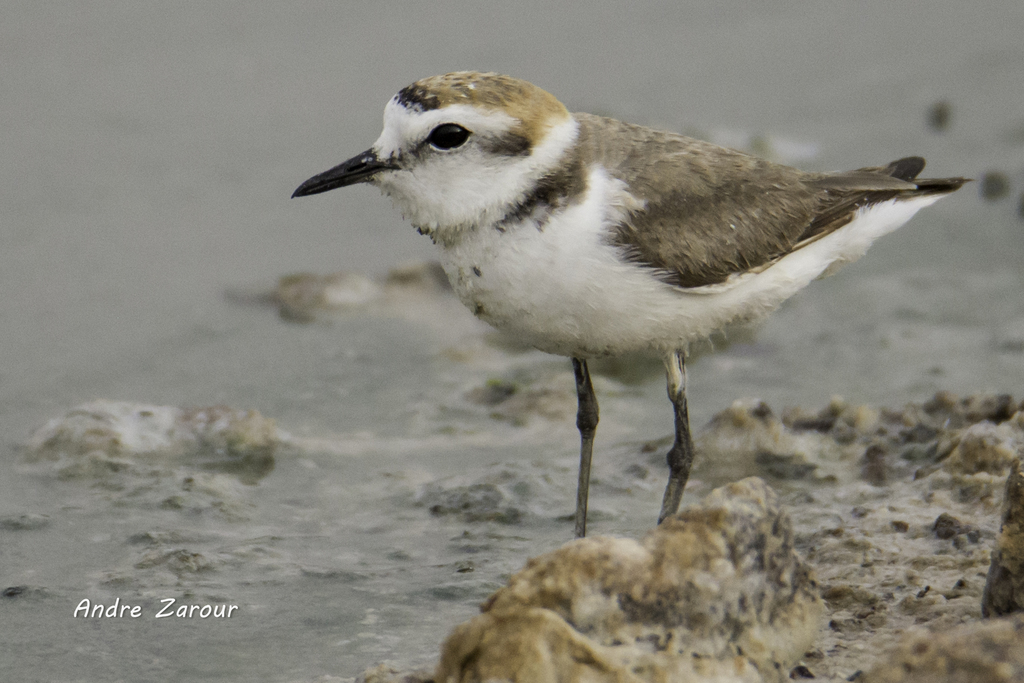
680	457
586	422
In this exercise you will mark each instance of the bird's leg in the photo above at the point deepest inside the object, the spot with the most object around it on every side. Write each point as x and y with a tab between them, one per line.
586	422
680	457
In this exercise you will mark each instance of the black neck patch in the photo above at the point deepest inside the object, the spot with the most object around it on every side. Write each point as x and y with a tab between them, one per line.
556	190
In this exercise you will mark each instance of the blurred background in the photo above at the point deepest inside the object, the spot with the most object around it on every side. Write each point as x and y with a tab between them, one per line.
147	156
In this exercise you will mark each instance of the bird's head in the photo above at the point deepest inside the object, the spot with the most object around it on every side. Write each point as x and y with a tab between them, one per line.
459	150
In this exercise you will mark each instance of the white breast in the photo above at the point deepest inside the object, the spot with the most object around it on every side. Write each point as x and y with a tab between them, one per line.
564	289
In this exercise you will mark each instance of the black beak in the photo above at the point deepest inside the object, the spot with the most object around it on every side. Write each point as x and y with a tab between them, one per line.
358	169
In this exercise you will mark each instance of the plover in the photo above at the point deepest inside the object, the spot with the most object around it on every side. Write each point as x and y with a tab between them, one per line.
584	236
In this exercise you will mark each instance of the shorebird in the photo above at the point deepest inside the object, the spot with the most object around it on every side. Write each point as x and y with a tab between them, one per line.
584	236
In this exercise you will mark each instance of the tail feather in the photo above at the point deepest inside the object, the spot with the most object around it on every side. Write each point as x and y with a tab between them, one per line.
940	185
844	200
908	168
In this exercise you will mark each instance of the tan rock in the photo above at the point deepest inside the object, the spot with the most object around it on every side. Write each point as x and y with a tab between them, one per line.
714	593
979	652
983	447
301	296
385	673
104	438
1004	589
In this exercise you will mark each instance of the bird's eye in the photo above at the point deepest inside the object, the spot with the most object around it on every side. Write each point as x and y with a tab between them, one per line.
448	136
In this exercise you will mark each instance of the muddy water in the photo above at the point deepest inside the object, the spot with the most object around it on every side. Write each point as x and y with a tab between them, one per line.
148	154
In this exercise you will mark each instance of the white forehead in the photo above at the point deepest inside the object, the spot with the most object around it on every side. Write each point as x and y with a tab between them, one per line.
403	126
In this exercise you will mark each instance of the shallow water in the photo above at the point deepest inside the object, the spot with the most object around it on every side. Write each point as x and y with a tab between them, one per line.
148	155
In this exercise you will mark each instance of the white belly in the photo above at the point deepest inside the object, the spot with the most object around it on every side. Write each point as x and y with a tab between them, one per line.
565	290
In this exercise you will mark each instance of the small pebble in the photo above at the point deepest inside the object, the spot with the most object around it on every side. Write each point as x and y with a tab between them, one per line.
495	391
816	424
801	671
947	526
874	469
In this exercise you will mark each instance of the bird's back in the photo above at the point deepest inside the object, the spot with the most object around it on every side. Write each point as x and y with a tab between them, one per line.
709	213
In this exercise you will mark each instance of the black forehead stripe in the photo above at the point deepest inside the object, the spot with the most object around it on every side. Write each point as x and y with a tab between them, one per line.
416	97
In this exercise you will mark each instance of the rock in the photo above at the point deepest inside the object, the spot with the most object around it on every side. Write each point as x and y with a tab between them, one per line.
24	592
425	275
518	402
493	392
411	290
784	465
385	673
1004	588
992	407
842	596
301	296
874	470
716	591
177	561
983	447
801	671
947	526
953	412
504	493
979	652
483	502
747	436
978	460
102	438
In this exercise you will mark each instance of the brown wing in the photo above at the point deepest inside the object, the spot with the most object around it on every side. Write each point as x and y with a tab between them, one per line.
711	212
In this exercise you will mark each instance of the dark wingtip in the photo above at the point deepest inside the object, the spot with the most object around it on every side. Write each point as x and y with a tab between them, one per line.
906	169
942	185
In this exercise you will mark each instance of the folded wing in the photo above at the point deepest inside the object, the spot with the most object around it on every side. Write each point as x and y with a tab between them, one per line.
709	213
